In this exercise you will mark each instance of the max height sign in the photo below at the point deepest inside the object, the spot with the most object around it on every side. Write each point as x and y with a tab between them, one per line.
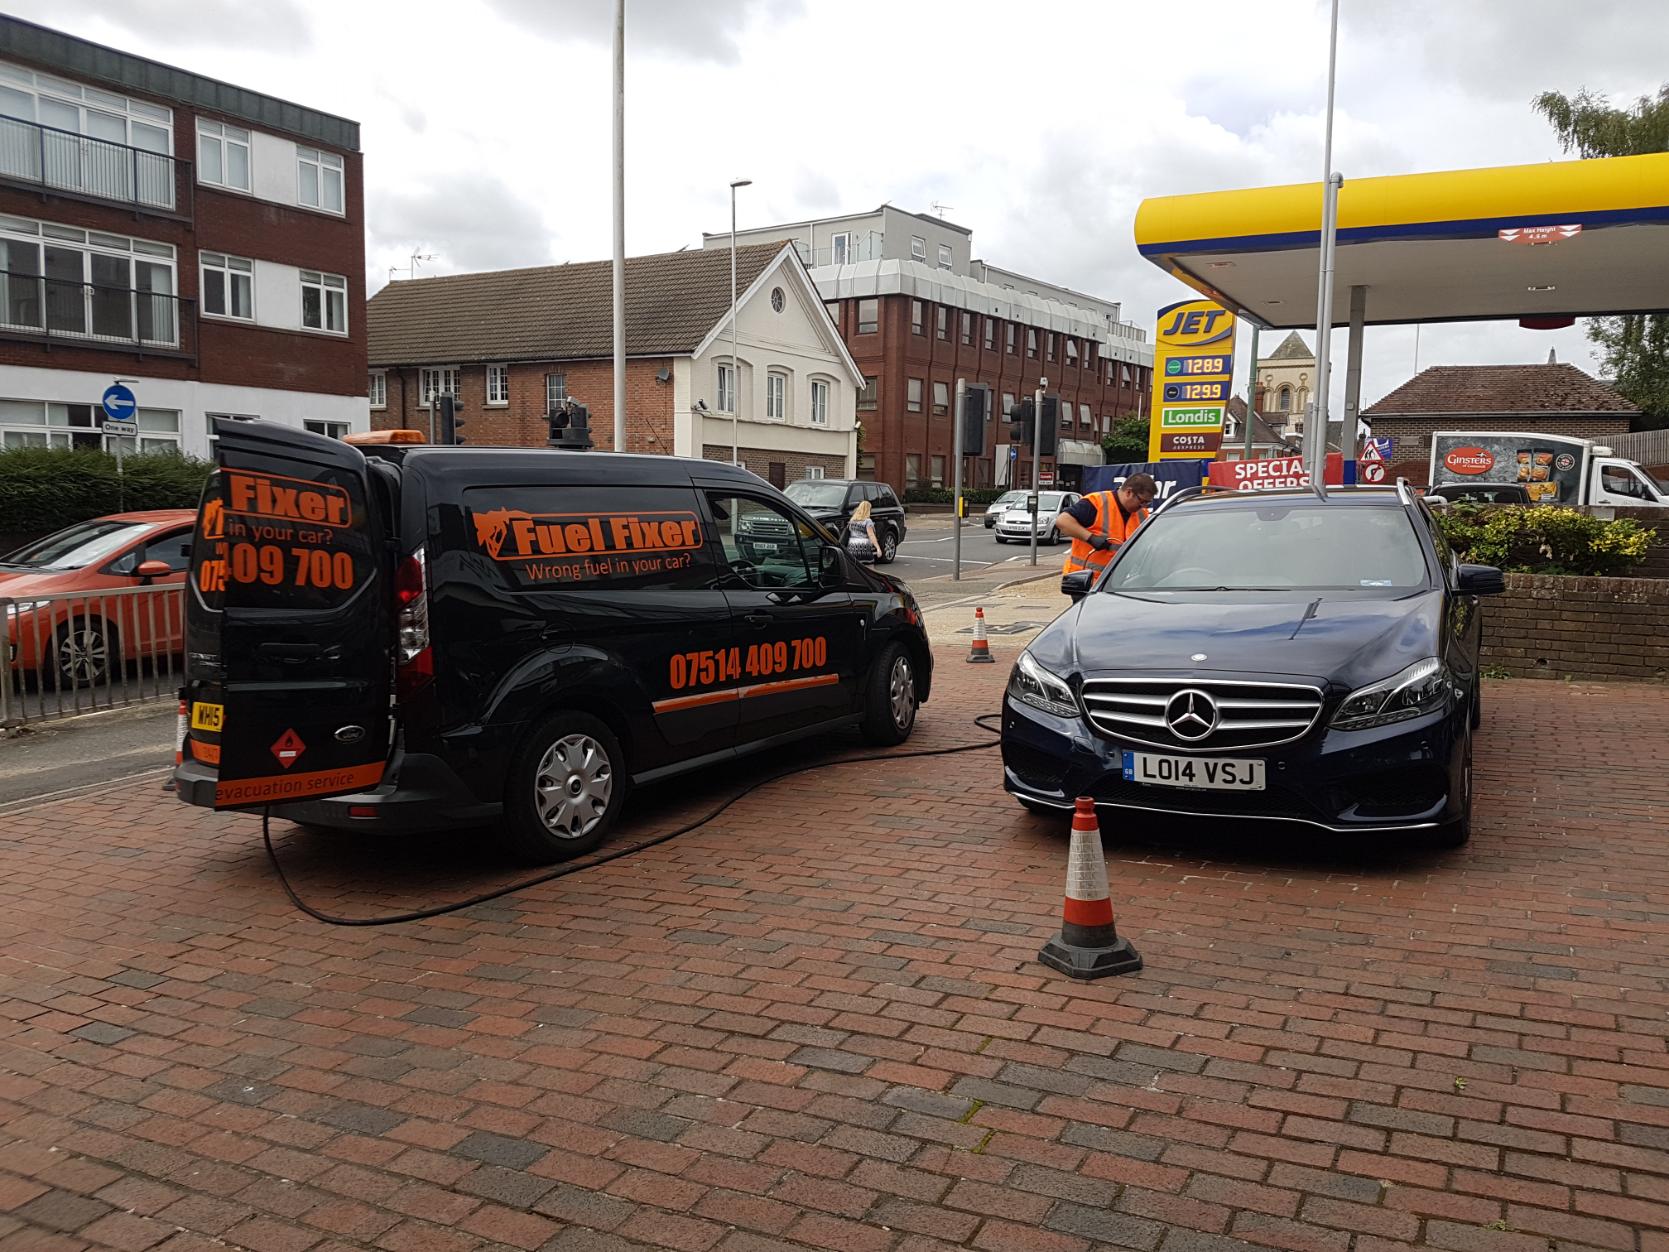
1193	361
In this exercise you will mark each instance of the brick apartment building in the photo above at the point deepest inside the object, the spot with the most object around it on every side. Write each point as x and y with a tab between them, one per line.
919	312
203	242
509	344
1554	399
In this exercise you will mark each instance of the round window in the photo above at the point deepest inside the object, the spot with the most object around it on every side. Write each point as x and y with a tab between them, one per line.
777	299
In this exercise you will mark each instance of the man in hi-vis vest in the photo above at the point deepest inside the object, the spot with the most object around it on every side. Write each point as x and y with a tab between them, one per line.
1100	523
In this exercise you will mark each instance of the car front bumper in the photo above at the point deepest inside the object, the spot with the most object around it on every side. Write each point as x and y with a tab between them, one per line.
1403	777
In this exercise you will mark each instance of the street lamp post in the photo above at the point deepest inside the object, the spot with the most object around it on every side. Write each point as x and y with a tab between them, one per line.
619	267
1315	431
735	359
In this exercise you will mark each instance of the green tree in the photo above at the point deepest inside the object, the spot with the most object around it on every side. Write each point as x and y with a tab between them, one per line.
1128	442
1635	346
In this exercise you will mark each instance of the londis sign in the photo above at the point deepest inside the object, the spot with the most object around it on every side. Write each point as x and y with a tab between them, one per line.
573	547
1193	361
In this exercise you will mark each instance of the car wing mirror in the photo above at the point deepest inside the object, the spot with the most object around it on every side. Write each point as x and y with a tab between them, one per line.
1480	580
152	569
1077	584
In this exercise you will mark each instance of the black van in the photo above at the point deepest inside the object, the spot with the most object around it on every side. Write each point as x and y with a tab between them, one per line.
423	638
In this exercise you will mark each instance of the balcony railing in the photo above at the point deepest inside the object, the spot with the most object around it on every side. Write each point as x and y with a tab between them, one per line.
861	248
92	314
99	169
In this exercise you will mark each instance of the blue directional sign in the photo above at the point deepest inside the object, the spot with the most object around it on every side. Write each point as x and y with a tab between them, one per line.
119	403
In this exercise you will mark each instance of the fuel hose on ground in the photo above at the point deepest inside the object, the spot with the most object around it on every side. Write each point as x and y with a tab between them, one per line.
614	854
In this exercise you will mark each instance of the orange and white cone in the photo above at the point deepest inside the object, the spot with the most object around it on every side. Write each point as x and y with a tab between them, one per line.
979	652
180	727
1088	945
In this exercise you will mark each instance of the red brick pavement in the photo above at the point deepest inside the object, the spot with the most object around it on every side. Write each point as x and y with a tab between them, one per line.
819	1023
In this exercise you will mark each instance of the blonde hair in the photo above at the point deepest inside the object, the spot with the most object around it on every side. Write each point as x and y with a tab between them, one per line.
860	515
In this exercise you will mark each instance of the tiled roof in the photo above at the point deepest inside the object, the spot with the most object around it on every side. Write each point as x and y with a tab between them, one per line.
560	312
1292	348
1501	389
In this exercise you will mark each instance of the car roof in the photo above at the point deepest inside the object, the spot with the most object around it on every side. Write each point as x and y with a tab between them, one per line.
564	466
1337	497
158	517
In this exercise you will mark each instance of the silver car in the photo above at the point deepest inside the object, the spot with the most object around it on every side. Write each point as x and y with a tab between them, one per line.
1001	505
1016	523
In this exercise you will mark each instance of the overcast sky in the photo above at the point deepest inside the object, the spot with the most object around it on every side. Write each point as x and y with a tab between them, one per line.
1040	124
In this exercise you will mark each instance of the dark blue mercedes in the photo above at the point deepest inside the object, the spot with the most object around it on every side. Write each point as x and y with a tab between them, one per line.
1262	657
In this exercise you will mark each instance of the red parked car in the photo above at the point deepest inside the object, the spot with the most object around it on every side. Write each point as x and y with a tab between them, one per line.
84	640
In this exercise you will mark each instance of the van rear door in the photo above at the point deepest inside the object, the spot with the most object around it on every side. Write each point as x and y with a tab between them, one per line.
295	574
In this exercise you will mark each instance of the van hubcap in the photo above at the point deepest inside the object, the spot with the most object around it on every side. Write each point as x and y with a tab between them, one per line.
901	691
572	786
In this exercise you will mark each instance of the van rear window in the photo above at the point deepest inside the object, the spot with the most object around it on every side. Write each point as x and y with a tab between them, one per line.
591	538
264	541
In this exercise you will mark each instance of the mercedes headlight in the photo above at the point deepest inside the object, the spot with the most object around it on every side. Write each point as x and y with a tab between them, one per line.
1424	687
1031	684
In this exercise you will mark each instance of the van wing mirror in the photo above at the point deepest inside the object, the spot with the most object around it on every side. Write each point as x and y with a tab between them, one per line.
1077	584
832	568
1480	580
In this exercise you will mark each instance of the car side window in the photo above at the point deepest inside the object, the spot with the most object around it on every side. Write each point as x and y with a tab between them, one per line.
885	498
1445	554
764	546
174	549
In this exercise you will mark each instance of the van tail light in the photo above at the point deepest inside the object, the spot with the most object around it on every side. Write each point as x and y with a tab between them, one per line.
414	660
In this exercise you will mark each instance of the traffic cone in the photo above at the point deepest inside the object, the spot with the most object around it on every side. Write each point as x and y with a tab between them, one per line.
980	651
180	725
1088	945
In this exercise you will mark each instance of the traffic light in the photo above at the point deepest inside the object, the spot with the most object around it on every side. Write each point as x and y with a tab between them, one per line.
976	403
450	422
570	426
1049	426
1021	423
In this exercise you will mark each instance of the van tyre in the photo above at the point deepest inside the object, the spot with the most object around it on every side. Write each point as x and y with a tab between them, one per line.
889	706
565	788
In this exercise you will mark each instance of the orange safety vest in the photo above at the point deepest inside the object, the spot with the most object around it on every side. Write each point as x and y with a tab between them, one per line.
1109	521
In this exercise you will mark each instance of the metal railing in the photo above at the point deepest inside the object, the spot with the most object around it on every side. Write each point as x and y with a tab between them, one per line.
35	307
63	160
70	653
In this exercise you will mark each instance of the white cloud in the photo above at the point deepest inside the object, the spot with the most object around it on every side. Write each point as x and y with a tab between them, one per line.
486	122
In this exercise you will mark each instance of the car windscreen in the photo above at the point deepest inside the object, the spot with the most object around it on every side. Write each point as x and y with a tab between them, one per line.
1305	547
808	493
78	546
1008	498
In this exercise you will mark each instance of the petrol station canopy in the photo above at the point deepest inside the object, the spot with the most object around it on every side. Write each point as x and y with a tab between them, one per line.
1555	240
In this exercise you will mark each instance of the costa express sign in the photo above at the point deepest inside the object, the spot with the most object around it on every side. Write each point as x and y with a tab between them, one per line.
1193	361
1469	460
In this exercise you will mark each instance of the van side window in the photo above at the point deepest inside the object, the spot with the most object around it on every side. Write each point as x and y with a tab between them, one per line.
550	538
765	547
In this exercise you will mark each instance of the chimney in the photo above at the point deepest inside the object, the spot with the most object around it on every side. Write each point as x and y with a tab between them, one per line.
1552	357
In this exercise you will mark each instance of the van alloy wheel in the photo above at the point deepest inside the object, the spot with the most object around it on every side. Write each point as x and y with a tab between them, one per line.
573	785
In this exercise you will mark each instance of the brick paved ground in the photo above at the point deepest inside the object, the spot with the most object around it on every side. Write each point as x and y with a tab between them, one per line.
819	1024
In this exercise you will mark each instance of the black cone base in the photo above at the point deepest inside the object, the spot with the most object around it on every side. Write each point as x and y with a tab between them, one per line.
980	658
1078	962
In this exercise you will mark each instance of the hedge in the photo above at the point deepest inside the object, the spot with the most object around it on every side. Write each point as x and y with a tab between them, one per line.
1545	539
943	495
43	489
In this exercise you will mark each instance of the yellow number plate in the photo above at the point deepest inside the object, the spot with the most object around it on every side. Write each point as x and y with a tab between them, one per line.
207	716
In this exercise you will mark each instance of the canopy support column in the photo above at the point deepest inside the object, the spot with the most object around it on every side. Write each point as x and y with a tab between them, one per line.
1353	372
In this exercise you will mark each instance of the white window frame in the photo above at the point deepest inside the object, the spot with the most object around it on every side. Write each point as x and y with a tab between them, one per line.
498	397
325	285
320	165
228	270
946	260
913	388
1085	417
433	380
941	399
918	248
376	388
224	138
874	324
91	244
815	471
327	427
776	396
821	390
840	248
725	391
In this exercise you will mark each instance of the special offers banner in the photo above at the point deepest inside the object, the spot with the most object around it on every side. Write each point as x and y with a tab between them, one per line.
1193	363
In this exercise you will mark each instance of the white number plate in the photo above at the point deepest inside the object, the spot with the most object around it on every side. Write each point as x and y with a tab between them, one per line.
1196	772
